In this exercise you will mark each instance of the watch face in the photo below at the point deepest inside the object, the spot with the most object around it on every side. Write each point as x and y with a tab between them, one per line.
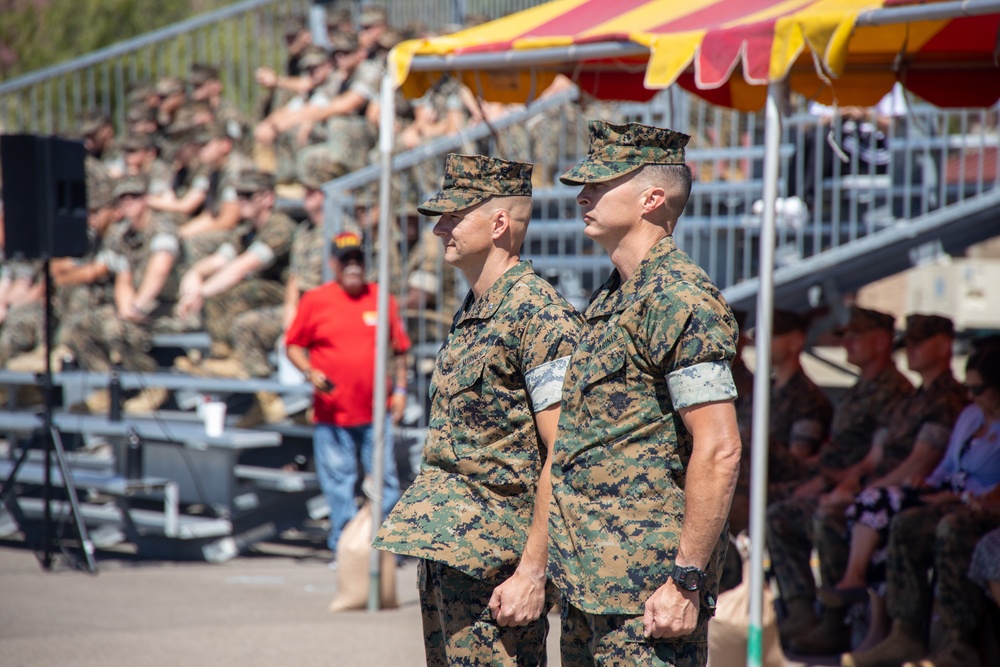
690	580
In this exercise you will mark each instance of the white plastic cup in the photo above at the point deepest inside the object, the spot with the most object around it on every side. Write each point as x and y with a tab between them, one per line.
214	414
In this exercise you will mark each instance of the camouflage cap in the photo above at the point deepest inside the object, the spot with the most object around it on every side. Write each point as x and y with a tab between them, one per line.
346	244
138	113
254	180
343	43
616	150
91	121
137	142
864	320
787	321
294	25
130	185
313	56
169	85
335	17
471	179
202	73
921	327
320	167
388	39
372	15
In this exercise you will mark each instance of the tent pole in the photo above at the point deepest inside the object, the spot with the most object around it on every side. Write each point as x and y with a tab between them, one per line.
385	211
762	374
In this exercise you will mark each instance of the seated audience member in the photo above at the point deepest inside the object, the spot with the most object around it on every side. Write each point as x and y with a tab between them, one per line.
22	290
909	442
256	333
800	411
142	256
941	537
243	274
172	95
970	469
881	387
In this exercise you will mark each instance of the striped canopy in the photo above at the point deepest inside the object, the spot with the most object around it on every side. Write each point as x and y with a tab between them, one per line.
726	51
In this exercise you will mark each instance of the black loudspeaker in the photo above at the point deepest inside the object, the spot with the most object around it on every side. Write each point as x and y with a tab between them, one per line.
44	197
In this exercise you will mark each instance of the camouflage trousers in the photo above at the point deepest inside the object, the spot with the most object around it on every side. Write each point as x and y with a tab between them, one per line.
794	527
99	338
222	310
459	630
595	640
23	330
254	336
349	141
942	537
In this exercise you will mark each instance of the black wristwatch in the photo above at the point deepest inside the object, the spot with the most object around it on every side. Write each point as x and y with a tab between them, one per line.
689	578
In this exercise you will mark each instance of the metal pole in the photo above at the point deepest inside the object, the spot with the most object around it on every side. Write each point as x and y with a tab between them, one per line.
381	331
762	375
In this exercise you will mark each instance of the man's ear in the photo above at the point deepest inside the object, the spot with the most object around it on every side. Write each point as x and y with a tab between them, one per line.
500	222
653	197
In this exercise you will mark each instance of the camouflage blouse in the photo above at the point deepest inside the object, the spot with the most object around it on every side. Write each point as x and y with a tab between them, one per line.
661	342
504	359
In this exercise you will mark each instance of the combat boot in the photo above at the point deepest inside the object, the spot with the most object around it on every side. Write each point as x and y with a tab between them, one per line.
272	406
219	350
955	651
903	644
224	368
831	636
98	402
29	362
147	400
799	619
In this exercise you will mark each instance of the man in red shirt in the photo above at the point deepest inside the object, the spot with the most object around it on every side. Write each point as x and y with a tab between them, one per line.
332	341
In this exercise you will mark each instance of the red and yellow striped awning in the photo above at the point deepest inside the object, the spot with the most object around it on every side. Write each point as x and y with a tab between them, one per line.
725	51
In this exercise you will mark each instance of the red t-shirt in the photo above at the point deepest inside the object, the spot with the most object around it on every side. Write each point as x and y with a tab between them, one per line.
339	332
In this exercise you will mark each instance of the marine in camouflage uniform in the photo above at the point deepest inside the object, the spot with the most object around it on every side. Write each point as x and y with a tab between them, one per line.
923	420
473	514
800	411
24	323
122	333
245	274
256	332
647	406
879	390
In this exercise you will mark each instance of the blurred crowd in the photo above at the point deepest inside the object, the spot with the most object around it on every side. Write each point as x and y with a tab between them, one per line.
887	483
186	229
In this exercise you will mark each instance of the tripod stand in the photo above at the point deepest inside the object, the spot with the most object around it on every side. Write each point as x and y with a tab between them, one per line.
51	439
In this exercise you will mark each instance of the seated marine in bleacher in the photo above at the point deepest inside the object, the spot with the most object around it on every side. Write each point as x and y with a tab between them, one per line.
207	87
909	442
256	333
245	273
142	256
81	284
800	411
868	340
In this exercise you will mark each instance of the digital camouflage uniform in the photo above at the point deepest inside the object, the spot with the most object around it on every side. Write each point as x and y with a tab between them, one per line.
800	412
256	332
101	336
468	512
24	324
265	288
927	415
941	537
661	342
790	522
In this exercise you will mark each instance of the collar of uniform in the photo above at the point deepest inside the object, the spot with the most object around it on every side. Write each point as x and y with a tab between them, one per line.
618	295
486	306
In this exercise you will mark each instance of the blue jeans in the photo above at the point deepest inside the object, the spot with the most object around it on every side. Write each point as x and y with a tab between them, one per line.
336	451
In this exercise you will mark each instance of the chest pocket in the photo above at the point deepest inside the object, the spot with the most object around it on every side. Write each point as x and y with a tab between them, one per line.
607	398
476	414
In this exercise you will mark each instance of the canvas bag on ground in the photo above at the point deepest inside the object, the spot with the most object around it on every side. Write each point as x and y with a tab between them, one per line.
727	631
353	552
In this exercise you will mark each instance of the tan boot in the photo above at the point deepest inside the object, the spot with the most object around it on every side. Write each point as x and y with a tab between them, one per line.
272	406
98	402
225	368
253	417
147	400
903	644
28	395
264	157
800	618
219	350
831	636
955	651
184	364
29	362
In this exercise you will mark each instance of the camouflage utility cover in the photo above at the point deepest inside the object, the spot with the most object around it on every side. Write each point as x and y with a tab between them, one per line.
470	179
616	150
660	342
471	505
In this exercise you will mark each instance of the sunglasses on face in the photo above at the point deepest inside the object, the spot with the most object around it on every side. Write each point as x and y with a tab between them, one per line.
976	389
